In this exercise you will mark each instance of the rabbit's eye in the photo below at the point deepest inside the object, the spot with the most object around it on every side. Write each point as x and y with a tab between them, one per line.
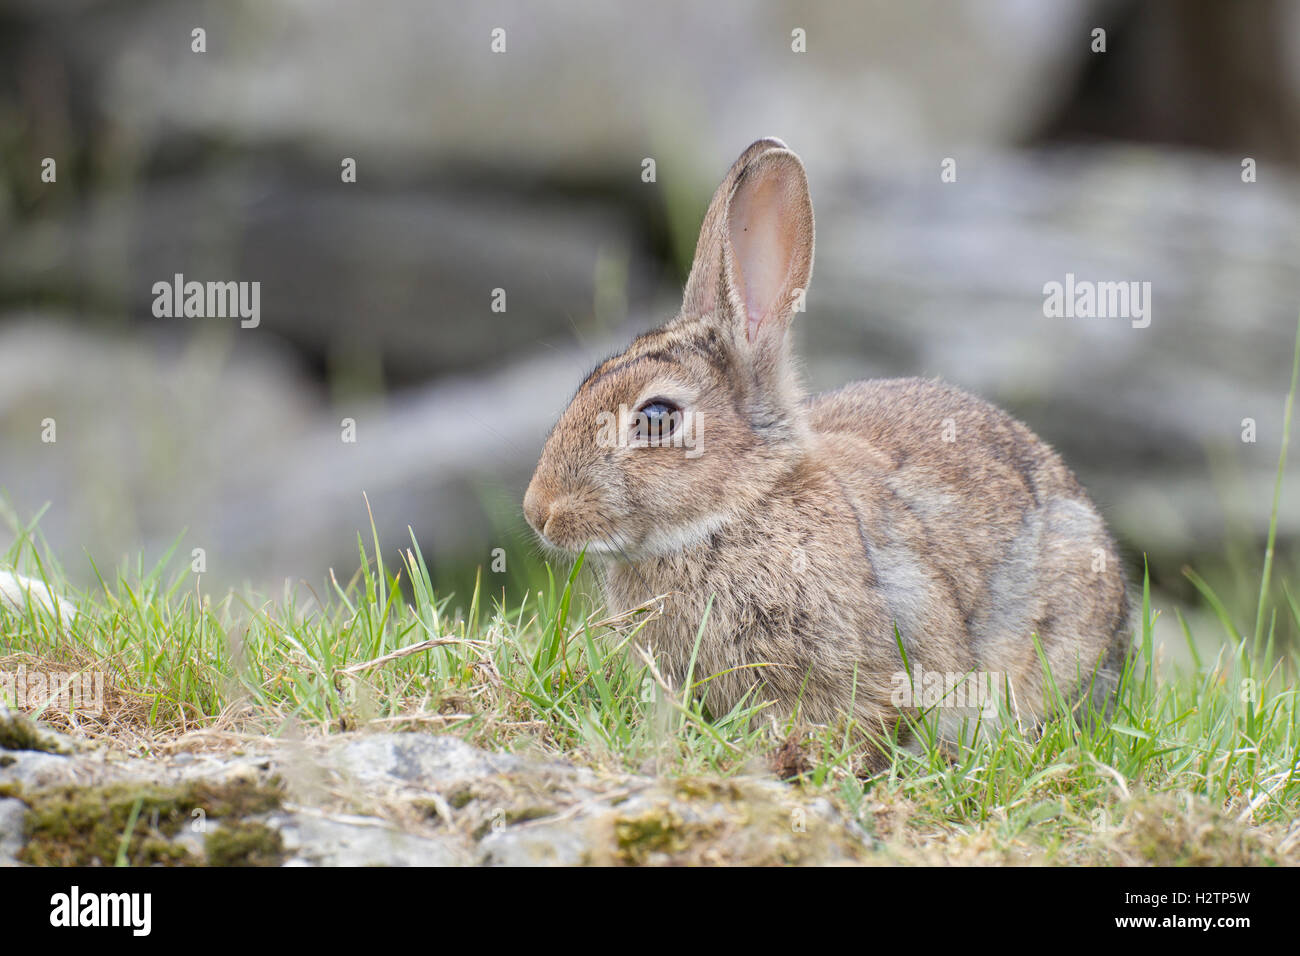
656	420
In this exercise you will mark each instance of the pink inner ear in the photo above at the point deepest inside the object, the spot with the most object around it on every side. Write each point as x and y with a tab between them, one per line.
763	238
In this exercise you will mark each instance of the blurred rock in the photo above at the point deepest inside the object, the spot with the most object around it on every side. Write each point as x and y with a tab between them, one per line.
585	87
315	839
475	170
437	801
12	814
241	455
382	286
18	732
412	760
32	768
19	593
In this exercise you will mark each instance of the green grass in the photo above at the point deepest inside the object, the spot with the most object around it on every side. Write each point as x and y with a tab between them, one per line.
1220	738
1198	763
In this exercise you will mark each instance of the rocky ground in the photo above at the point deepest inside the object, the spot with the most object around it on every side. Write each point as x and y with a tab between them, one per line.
388	799
416	799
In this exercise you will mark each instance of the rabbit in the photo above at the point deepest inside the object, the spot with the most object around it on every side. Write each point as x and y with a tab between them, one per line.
843	544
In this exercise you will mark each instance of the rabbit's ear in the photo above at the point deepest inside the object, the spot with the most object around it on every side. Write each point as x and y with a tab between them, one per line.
769	249
705	288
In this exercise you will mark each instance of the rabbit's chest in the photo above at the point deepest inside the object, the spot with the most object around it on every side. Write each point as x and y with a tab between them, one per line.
771	606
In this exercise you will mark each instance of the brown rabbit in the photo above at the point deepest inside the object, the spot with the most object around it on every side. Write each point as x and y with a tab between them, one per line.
694	465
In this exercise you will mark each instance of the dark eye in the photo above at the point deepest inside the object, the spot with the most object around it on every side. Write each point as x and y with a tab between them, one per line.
657	419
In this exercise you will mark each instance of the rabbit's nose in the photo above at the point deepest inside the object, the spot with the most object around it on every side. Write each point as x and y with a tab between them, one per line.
537	509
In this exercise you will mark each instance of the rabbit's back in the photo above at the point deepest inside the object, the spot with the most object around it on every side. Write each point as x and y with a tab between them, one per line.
954	492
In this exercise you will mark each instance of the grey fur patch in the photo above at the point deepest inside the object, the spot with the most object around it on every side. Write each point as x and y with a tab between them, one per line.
1010	605
904	582
1073	520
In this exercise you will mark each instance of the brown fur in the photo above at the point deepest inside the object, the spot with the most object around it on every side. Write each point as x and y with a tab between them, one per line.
816	525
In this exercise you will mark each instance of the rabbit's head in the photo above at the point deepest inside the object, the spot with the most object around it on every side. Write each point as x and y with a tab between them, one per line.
696	421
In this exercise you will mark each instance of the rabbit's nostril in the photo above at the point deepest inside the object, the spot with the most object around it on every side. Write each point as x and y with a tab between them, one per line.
537	511
555	519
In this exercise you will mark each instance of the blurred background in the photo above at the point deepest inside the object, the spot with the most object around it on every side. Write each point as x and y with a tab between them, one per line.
522	171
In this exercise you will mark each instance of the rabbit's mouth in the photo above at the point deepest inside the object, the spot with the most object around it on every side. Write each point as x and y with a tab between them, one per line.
602	546
658	541
560	530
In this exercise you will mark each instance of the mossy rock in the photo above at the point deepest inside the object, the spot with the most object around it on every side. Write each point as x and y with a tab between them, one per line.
18	732
507	798
85	826
245	844
726	822
660	832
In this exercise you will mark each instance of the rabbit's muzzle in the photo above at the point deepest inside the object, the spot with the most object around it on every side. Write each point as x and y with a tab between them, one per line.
539	509
557	518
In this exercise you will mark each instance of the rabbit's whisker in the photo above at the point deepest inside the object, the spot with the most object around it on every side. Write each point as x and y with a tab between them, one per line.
630	563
